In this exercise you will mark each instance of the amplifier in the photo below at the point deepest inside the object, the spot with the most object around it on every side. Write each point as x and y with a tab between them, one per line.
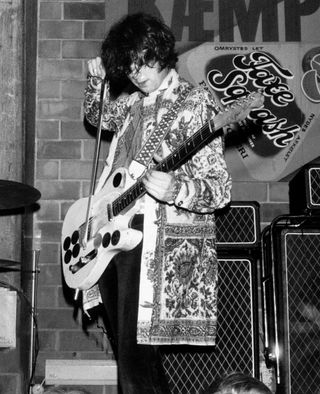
291	303
304	190
192	369
238	225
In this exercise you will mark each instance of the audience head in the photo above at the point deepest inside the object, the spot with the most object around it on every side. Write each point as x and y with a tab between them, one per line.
238	383
65	390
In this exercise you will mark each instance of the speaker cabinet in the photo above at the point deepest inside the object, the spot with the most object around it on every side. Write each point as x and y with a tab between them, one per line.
238	226
291	283
304	191
192	369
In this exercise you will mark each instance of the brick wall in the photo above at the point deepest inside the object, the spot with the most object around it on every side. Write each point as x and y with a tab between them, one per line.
70	33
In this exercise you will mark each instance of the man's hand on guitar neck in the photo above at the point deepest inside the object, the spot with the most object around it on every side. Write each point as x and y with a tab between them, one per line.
160	185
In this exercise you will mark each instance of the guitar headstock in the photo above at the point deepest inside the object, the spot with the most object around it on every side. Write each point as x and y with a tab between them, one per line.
240	109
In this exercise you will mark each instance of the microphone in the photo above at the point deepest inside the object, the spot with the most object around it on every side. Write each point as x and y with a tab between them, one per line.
36	248
36	242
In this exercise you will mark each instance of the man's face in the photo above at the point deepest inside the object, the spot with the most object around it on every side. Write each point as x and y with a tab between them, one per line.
147	78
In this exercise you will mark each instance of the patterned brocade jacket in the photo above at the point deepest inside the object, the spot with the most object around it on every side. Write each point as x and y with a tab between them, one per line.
178	280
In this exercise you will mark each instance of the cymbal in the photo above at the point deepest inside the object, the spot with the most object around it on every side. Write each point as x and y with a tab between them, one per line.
9	265
16	195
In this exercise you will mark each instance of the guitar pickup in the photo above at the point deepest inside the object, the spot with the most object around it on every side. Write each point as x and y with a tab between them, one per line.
109	212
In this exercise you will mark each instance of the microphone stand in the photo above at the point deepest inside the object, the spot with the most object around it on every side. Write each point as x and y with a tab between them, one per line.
34	305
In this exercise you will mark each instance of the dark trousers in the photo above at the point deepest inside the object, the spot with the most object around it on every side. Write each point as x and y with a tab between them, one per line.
139	366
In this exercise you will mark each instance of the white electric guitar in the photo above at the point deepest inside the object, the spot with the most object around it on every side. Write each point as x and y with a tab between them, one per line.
89	242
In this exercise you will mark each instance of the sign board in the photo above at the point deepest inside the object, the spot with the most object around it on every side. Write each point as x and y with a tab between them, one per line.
284	134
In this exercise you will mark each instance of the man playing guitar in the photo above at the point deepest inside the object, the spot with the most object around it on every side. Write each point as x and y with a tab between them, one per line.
162	291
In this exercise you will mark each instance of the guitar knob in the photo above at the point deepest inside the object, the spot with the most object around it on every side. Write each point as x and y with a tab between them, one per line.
75	237
106	240
67	256
66	243
75	250
115	237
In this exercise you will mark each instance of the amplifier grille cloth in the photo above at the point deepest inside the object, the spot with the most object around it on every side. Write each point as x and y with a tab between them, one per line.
315	186
190	370
303	281
238	226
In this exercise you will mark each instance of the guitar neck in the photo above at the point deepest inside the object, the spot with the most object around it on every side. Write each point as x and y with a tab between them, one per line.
173	161
188	148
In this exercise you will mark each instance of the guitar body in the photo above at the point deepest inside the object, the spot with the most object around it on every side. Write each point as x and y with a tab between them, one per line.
87	253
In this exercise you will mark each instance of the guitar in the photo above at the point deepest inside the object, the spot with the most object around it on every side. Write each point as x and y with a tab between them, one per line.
89	242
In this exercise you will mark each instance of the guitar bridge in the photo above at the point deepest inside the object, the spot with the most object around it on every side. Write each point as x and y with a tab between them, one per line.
83	261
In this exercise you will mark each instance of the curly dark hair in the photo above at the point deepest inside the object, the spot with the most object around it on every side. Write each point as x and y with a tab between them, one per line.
138	39
238	383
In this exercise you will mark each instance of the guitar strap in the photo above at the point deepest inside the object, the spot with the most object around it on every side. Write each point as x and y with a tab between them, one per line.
153	142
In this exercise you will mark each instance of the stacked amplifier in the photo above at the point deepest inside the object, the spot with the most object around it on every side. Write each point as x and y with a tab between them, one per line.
304	191
291	288
189	369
